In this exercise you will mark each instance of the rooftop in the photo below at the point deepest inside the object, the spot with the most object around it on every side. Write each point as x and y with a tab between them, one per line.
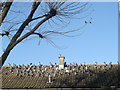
73	75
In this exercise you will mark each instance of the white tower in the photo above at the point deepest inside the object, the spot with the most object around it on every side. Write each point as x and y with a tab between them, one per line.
61	62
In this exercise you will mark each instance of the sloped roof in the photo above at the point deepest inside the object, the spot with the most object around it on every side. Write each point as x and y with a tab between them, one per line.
95	78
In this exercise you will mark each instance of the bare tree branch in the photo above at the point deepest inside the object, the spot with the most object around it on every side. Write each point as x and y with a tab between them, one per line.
38	17
5	11
32	31
25	23
39	35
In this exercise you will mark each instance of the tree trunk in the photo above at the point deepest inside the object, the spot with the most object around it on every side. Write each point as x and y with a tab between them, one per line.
4	57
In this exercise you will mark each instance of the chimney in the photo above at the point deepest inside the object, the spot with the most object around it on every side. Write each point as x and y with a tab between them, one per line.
61	62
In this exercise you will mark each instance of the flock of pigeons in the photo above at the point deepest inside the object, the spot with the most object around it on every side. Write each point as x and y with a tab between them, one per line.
53	70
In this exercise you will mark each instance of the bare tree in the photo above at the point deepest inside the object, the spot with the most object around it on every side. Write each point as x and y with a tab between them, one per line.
48	12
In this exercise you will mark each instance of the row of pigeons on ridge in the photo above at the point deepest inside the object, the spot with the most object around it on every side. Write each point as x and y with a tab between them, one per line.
53	70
